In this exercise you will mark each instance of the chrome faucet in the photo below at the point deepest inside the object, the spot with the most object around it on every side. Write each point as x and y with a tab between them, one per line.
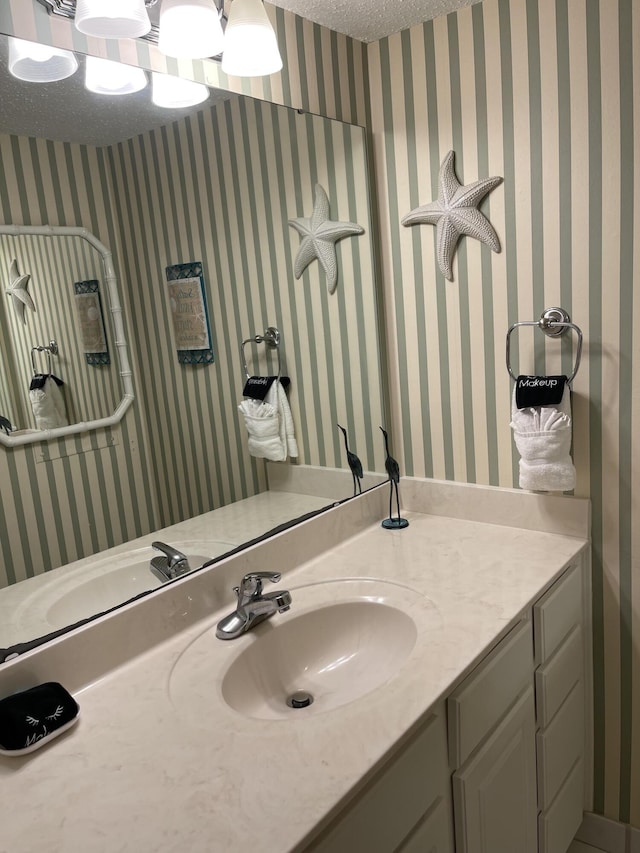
254	606
173	564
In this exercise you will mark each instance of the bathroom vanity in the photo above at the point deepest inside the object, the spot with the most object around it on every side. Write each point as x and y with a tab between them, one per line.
449	665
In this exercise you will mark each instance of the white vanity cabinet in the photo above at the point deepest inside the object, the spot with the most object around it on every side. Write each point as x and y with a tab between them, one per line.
561	695
499	766
406	808
517	737
492	751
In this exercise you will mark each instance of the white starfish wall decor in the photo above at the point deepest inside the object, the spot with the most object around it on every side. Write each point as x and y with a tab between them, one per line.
455	214
319	237
17	289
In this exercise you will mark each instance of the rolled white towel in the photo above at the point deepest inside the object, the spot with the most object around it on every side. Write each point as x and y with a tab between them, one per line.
263	429
270	425
543	437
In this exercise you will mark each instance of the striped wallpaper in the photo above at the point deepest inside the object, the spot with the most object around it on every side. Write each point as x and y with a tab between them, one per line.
54	263
544	93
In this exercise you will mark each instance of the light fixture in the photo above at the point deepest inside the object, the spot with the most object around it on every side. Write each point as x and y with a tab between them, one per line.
250	45
176	92
190	29
39	63
112	19
106	77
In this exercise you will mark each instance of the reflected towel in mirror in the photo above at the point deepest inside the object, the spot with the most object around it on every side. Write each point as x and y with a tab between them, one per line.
47	401
270	425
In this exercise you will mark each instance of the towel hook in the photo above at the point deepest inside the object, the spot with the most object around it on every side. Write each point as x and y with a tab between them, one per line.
271	338
554	322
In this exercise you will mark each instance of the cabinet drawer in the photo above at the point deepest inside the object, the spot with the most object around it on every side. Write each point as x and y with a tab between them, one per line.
434	832
494	793
559	824
483	698
556	613
555	678
394	802
560	745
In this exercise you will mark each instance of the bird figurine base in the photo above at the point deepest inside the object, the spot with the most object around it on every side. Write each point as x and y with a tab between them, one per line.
395	523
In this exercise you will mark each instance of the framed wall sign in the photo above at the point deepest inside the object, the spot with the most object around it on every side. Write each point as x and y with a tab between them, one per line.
92	332
189	313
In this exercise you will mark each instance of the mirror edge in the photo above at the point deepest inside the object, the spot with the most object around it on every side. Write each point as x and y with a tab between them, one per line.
115	308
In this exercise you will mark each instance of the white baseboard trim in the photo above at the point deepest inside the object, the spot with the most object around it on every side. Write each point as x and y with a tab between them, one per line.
608	835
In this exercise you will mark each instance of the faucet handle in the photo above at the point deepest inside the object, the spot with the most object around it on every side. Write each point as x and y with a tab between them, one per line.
274	577
174	557
251	584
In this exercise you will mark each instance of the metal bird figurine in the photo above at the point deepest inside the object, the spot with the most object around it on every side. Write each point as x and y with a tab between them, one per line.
354	463
393	470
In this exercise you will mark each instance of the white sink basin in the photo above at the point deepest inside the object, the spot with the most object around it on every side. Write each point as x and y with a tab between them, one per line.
340	641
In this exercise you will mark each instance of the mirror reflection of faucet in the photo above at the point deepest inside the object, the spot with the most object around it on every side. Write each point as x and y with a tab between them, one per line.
254	606
172	564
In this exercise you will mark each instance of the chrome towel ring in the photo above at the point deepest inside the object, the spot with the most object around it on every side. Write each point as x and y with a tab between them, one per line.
51	349
271	338
554	322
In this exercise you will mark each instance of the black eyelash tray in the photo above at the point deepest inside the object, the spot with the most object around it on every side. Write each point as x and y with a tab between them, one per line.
30	719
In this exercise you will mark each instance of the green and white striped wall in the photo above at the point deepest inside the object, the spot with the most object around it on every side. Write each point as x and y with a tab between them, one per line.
547	95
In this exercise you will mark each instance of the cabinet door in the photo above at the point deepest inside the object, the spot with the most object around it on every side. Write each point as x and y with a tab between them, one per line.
383	817
494	792
433	833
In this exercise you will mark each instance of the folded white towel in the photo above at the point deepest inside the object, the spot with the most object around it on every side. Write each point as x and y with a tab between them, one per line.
48	405
277	397
270	425
543	437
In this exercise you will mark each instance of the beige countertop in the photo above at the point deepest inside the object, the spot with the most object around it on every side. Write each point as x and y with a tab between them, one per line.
150	768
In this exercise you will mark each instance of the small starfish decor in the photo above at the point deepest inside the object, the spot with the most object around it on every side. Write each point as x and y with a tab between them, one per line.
455	214
17	289
319	237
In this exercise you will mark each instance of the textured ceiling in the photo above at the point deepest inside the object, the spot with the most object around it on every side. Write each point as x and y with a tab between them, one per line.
364	20
370	20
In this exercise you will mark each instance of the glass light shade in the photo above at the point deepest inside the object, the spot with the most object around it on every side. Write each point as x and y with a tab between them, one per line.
250	45
106	77
112	19
39	63
176	92
190	29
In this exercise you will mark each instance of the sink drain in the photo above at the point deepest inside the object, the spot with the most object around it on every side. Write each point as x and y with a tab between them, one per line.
300	699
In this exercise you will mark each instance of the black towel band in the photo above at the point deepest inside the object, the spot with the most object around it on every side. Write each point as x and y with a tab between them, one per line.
39	379
539	391
257	387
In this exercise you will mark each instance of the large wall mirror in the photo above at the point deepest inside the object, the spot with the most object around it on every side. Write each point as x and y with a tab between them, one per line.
216	185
